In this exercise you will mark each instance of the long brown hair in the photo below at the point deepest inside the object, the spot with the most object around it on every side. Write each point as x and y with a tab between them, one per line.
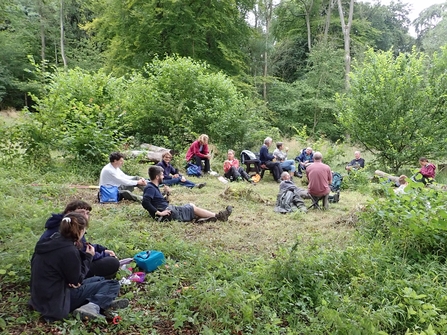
72	225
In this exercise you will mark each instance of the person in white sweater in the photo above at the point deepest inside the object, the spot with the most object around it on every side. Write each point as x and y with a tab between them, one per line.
112	175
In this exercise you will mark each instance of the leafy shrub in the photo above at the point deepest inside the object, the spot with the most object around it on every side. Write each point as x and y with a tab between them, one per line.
78	117
356	180
415	222
176	99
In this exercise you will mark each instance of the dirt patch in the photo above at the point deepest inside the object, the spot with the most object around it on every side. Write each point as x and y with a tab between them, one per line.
10	112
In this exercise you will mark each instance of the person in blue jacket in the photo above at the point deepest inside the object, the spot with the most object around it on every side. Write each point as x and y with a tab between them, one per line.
269	160
105	263
172	175
304	159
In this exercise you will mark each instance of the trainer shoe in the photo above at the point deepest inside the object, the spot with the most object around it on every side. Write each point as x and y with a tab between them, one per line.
199	186
119	303
88	311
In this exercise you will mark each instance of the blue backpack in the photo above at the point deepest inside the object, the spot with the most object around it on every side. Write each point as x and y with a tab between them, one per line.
337	178
193	170
108	194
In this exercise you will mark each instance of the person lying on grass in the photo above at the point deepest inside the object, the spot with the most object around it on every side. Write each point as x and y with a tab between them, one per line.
171	175
158	207
104	263
58	270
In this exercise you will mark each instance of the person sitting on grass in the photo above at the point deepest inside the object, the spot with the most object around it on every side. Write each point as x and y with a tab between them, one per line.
290	197
158	207
281	157
198	152
304	159
269	160
105	263
171	175
58	271
427	172
233	171
356	164
111	175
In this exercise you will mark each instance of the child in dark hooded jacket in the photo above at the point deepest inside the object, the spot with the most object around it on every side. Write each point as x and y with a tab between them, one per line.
58	270
104	263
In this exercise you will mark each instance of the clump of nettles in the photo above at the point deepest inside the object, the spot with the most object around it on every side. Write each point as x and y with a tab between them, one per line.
243	193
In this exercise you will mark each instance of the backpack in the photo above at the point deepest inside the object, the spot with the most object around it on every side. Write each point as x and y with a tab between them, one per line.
247	155
336	181
193	170
108	194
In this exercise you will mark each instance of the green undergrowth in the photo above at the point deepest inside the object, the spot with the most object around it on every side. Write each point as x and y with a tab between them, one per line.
259	273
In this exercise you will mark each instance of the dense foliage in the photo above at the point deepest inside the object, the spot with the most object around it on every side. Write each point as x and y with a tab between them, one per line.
396	106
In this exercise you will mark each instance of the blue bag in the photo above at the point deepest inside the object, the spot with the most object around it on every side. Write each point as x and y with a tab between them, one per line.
108	194
193	170
149	260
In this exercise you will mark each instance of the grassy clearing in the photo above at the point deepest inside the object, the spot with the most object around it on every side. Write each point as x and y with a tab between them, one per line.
197	254
258	273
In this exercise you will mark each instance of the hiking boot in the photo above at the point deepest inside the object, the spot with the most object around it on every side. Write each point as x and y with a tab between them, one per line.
297	174
119	303
199	186
88	311
223	215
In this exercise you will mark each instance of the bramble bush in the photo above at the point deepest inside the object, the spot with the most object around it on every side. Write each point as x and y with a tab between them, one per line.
414	222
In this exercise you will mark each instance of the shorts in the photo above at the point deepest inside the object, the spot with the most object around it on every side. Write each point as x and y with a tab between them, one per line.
183	213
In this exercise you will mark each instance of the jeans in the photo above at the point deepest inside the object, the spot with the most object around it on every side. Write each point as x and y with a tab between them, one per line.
177	181
288	165
97	290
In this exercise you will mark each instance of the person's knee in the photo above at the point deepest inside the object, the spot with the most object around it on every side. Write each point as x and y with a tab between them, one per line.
192	205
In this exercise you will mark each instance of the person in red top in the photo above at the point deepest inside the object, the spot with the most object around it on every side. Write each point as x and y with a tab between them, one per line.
320	177
198	152
232	170
427	171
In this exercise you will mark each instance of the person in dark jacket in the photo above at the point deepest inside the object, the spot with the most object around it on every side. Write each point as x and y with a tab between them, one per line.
172	175
159	208
58	270
269	160
105	263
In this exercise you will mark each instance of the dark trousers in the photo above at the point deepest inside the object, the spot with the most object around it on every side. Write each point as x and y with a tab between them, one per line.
198	161
97	290
275	168
106	267
233	173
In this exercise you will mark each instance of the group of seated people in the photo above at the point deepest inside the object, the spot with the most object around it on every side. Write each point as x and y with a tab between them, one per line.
68	274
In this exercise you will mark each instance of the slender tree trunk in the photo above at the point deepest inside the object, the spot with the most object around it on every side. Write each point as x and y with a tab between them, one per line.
347	38
268	18
328	20
42	32
307	5
64	59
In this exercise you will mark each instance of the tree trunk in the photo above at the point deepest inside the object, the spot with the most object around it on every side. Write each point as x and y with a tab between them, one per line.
268	18
307	10
347	38
64	59
328	20
42	32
